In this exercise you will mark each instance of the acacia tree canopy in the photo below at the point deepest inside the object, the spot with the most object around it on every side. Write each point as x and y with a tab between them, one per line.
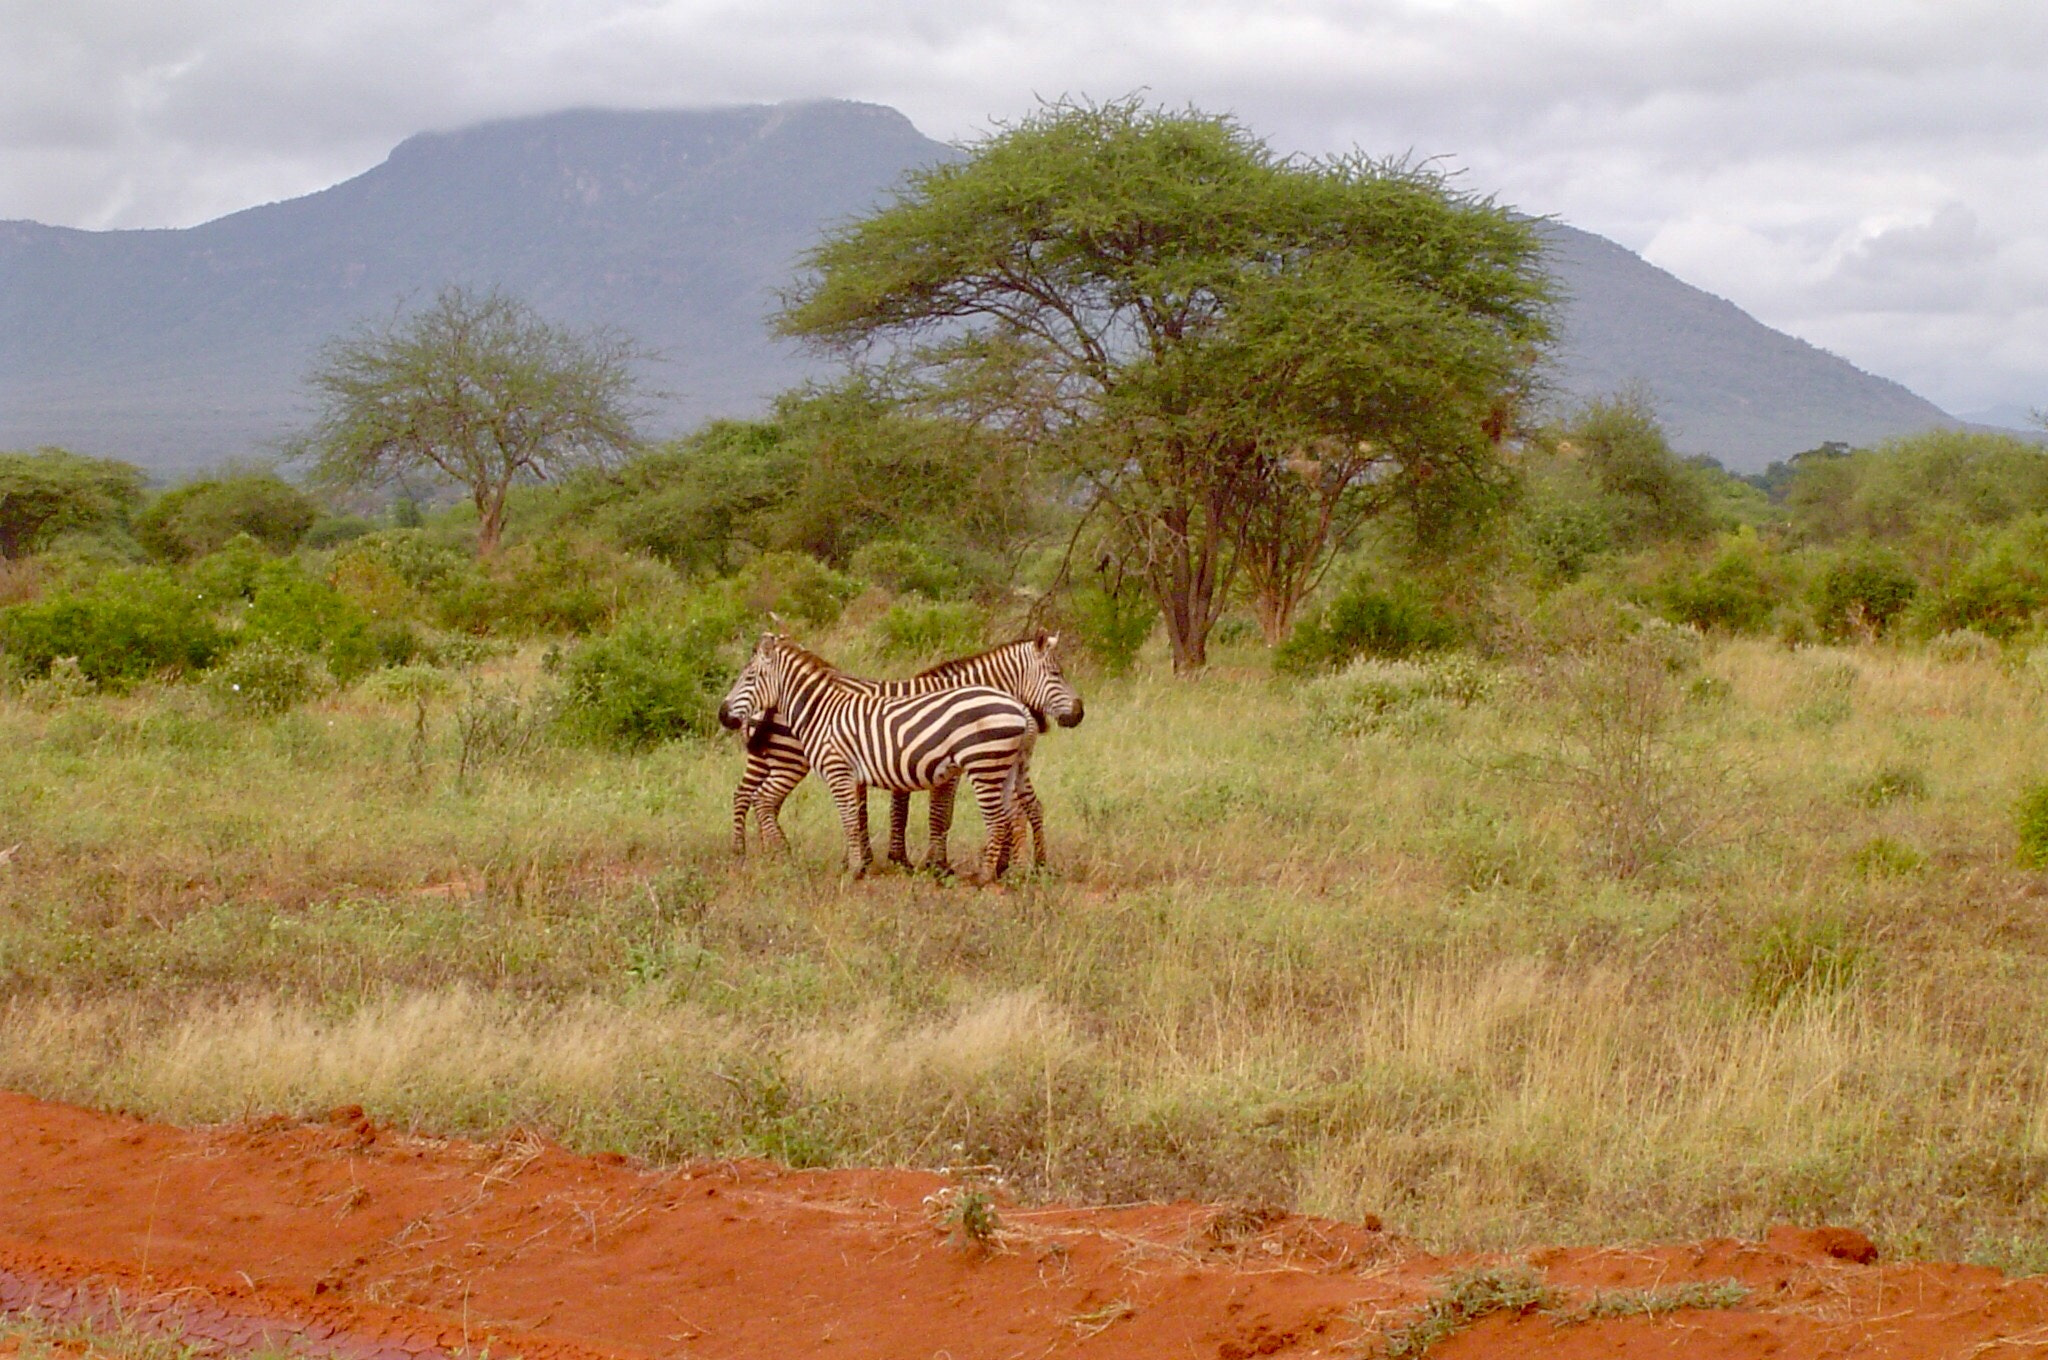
478	388
1243	355
45	493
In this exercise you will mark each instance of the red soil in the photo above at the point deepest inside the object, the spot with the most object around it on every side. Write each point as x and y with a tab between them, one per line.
343	1239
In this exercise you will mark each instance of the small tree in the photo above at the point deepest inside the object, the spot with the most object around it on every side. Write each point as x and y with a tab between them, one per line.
198	518
478	387
45	493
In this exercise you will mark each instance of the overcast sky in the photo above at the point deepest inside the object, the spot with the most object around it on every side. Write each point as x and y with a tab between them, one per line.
1870	175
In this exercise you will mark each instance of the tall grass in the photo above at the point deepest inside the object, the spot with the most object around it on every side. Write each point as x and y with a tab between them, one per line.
1390	967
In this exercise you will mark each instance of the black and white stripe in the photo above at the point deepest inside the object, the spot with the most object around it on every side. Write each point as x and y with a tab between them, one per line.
856	737
1027	669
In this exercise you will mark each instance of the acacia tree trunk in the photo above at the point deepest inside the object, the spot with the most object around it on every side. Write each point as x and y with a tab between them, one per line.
490	519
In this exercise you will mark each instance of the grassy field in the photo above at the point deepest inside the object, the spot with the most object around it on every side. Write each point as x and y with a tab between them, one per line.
1615	946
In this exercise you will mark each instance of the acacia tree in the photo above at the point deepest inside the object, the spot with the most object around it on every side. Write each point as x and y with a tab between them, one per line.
478	388
44	493
1243	356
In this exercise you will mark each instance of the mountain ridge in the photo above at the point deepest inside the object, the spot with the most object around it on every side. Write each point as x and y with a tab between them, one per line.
179	347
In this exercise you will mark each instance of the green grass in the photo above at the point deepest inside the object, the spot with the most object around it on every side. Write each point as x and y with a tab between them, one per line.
1403	971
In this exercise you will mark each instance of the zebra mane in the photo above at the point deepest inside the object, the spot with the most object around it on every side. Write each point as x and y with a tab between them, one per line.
961	664
806	659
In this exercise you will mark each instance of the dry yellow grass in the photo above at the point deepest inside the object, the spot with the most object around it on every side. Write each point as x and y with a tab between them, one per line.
1388	972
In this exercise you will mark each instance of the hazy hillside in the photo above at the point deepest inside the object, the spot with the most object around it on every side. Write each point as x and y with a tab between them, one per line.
179	348
1723	382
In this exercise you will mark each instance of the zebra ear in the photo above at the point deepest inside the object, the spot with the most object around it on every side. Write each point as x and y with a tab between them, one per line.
1048	641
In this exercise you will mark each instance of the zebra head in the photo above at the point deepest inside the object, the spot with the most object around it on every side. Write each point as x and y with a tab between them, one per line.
1044	686
757	690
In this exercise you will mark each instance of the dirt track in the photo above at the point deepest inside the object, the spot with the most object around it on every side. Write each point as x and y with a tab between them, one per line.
343	1239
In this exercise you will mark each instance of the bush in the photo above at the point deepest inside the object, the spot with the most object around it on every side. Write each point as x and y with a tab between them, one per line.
650	680
557	586
1365	621
1734	593
1370	693
292	610
129	625
921	630
2002	587
422	563
1111	625
264	678
906	569
1798	957
796	586
1863	591
197	519
331	531
2030	817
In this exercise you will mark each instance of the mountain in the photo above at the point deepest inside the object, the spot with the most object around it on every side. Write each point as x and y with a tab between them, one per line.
179	348
1723	383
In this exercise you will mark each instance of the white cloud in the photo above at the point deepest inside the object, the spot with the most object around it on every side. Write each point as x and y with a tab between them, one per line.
1867	174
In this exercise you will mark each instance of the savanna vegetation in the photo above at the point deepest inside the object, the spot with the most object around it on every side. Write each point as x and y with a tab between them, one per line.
1605	846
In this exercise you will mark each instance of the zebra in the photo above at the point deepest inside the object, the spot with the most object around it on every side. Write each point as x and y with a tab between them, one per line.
856	737
1028	669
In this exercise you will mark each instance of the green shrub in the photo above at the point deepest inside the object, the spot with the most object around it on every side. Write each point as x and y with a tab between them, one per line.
906	569
924	630
1370	692
1884	857
1110	625
650	679
265	678
1364	620
199	518
293	610
796	586
331	531
1891	784
2030	816
1563	537
423	563
1863	591
1733	593
557	586
2002	587
1799	957
230	572
128	625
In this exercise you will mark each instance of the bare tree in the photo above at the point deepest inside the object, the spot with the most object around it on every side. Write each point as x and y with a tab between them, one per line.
479	388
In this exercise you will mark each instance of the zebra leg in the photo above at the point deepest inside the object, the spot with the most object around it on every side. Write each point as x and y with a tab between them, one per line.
936	858
780	782
742	804
851	798
899	828
997	796
1028	797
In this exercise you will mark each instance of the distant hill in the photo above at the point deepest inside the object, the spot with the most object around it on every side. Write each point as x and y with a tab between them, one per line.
1723	382
179	348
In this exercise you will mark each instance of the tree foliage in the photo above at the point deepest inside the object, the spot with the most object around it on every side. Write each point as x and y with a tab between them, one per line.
1242	355
830	473
51	491
200	517
477	388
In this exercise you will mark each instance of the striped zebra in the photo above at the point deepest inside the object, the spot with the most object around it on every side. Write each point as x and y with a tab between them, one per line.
1027	669
856	738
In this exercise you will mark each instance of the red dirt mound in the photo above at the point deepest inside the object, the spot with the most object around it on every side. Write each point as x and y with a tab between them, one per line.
342	1239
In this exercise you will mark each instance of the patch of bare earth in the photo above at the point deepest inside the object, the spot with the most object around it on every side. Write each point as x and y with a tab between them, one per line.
339	1238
